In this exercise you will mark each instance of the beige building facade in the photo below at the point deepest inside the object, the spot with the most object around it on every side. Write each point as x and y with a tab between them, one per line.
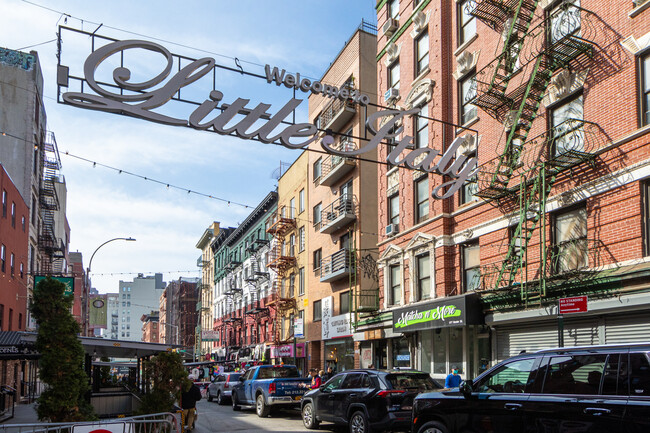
206	291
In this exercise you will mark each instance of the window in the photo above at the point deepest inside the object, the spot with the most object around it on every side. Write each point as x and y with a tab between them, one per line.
318	314
566	129
292	245
644	82
467	91
393	9
393	209
318	210
318	258
11	264
466	22
13	214
393	75
292	208
346	190
564	21
577	374
301	201
344	302
421	126
292	285
34	209
301	239
640	374
423	277
421	199
317	169
3	258
22	222
422	53
395	284
20	320
471	271
513	377
470	187
4	203
22	271
32	257
301	281
570	240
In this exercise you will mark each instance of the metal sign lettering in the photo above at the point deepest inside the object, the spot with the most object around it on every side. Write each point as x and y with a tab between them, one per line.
140	99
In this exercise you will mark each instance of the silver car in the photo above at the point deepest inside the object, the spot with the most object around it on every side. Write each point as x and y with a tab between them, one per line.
221	388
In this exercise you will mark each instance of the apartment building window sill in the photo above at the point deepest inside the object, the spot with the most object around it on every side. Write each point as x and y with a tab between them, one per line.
637	10
421	75
466	44
467	125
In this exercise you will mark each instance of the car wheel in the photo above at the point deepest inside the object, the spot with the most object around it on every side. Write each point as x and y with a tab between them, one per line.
308	416
359	423
209	396
220	399
260	407
235	403
432	427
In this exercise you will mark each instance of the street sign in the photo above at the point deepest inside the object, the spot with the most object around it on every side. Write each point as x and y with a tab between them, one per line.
576	304
298	328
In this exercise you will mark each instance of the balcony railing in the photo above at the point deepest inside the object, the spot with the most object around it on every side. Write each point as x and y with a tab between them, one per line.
366	300
338	214
336	266
334	167
337	114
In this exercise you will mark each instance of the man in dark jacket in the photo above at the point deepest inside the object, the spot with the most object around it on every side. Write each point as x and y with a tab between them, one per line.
189	398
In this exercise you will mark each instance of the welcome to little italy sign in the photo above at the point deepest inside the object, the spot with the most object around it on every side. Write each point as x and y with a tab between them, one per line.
259	122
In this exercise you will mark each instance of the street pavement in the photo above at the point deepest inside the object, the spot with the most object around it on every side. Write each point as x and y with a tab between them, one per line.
215	418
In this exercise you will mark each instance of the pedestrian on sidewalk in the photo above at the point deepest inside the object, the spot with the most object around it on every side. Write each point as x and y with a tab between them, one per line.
453	380
189	397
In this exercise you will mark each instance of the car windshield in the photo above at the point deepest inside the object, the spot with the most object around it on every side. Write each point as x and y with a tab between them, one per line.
234	377
276	372
422	382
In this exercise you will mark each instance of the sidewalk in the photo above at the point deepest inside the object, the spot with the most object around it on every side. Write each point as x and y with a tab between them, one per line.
23	414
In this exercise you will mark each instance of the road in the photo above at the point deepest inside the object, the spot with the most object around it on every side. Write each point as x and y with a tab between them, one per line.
215	418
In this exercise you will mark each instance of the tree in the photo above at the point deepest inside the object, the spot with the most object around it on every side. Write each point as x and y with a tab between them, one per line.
167	377
62	356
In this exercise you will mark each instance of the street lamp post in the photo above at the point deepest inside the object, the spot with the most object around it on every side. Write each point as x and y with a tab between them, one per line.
90	263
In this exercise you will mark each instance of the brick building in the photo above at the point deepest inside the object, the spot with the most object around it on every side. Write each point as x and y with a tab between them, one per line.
150	328
550	96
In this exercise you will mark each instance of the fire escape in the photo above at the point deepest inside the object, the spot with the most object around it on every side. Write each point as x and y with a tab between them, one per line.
282	258
233	292
256	276
50	245
511	89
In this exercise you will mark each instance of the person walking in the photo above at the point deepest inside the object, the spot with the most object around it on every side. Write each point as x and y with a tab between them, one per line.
453	380
327	375
189	397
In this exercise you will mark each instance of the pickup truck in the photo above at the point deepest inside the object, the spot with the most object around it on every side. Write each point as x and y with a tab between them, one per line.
269	386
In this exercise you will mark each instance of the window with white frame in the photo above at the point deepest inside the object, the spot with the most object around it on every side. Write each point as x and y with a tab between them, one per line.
471	266
301	281
393	9
466	21
317	215
395	284
423	276
421	126
467	94
644	90
292	208
570	240
301	201
470	187
393	75
567	127
421	199
301	239
421	53
393	209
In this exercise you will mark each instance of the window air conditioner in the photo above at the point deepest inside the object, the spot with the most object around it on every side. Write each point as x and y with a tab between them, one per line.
391	229
391	94
390	26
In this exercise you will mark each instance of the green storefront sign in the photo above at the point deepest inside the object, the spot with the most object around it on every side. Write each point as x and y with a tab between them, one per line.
449	311
68	281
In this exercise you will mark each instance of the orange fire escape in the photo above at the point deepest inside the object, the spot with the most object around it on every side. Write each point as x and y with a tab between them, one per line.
282	259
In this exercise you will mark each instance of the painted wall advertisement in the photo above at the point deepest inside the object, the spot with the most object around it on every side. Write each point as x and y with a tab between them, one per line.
333	326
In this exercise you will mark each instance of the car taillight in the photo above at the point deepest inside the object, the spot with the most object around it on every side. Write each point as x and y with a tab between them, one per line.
389	392
225	385
272	388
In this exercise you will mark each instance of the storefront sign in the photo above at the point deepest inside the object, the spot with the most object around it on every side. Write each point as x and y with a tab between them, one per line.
286	351
209	335
450	311
140	99
333	326
576	304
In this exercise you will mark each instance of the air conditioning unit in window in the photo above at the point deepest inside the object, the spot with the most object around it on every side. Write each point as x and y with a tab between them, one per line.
391	95
392	229
390	26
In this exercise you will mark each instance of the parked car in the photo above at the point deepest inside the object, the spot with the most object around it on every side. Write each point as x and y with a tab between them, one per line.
366	400
269	386
594	389
221	388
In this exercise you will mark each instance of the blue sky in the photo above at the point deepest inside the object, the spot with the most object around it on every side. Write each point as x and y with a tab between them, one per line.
299	36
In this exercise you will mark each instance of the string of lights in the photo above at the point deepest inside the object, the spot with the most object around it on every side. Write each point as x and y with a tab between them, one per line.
146	273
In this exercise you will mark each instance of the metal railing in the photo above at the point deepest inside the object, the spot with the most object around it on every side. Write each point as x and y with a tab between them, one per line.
334	108
154	423
341	206
333	161
337	262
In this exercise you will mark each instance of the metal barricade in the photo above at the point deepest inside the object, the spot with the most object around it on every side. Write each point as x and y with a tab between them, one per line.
154	423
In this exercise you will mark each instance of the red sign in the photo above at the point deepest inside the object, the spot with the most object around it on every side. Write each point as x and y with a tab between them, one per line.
577	304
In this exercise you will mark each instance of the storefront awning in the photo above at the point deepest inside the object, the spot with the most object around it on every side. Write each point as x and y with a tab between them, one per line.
440	313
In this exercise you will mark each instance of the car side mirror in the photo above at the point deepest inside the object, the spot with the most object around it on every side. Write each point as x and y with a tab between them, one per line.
466	387
323	388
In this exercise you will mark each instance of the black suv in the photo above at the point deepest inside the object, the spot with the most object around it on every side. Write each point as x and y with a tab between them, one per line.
582	389
366	400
